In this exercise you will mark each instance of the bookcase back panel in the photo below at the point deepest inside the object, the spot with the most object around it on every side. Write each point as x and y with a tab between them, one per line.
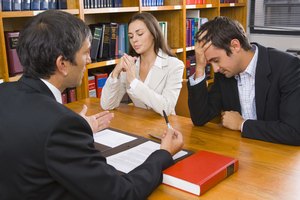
212	1
14	24
93	19
175	32
173	2
130	3
122	18
209	13
238	13
72	4
113	17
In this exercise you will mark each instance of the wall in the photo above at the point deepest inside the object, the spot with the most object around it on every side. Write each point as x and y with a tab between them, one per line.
281	42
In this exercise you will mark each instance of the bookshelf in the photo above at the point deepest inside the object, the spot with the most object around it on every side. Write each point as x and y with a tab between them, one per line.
173	11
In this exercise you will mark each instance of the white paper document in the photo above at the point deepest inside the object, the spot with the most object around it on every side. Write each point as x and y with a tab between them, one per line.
112	138
128	160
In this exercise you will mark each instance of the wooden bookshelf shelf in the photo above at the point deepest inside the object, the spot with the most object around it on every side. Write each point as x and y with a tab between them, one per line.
162	8
31	13
111	10
224	5
199	6
103	63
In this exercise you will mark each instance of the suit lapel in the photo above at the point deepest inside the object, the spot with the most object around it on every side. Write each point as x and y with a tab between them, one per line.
262	82
159	71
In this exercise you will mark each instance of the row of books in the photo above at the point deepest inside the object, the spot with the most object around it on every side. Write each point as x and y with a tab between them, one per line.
19	5
229	1
192	26
96	82
153	2
189	2
69	95
102	3
191	67
110	40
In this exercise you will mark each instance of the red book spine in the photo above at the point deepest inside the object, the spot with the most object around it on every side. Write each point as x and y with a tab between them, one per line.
71	95
64	97
100	82
216	178
92	86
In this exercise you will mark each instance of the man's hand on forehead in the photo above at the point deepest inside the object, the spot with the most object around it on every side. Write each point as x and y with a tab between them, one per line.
202	43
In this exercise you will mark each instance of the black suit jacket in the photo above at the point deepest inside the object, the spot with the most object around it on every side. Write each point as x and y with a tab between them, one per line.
47	152
277	96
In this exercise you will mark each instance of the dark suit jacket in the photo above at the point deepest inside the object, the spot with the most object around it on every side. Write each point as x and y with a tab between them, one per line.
277	96
47	152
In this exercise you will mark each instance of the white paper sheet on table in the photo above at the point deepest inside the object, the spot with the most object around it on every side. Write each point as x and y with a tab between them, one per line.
126	161
112	138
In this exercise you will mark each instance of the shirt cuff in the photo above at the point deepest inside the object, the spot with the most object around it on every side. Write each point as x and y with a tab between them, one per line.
242	126
198	80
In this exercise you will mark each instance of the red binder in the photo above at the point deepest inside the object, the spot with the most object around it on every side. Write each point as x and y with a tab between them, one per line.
199	172
14	64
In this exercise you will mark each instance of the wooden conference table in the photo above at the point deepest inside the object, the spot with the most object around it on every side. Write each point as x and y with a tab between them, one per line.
266	171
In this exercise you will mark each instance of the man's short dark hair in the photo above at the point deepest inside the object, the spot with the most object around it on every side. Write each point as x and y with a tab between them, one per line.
220	31
47	36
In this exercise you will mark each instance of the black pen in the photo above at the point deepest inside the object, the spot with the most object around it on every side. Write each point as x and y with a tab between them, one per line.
166	118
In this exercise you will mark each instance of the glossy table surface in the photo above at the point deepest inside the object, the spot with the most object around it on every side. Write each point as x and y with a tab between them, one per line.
266	170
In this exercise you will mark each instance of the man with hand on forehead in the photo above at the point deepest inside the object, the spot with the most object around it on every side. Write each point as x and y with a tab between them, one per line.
256	89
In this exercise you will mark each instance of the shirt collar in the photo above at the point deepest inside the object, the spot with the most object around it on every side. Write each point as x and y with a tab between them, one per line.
160	61
251	68
54	90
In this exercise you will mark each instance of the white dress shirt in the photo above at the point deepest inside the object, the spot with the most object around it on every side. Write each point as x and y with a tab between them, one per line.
54	90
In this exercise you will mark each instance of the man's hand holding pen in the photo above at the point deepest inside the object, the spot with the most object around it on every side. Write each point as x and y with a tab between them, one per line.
171	140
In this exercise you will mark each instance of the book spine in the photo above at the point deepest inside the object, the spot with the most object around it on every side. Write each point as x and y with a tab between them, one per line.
92	86
25	4
95	43
62	4
7	5
52	4
14	64
35	4
106	42
16	6
222	174
44	4
100	82
113	40
71	93
64	97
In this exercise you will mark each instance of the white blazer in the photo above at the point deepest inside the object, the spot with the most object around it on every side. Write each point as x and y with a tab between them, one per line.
159	91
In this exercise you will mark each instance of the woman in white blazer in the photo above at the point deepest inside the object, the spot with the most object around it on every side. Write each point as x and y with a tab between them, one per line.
151	75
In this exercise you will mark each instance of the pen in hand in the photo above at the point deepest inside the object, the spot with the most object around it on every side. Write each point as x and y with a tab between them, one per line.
167	120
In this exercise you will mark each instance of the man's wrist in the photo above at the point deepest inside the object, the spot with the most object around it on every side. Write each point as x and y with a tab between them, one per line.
199	72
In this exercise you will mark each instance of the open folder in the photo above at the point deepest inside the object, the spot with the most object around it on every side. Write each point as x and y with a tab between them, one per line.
127	151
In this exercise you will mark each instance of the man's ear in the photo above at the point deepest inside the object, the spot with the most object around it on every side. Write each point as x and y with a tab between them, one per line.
61	65
235	45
